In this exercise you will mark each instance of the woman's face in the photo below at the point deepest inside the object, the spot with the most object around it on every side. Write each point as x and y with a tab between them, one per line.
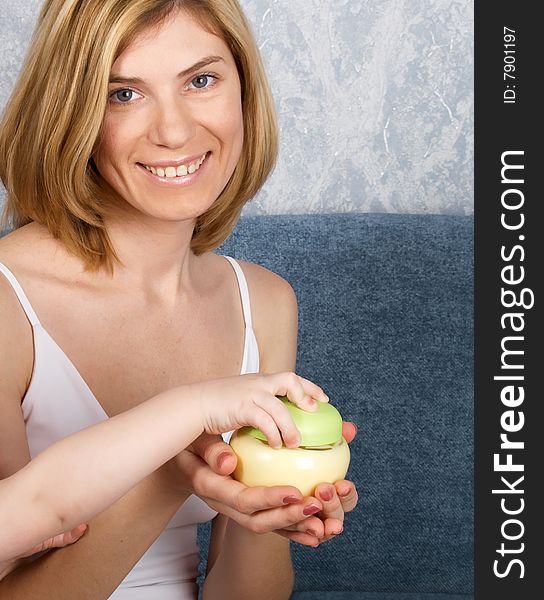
173	128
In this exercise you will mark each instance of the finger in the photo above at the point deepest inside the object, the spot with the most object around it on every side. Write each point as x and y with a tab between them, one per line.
332	507
65	539
332	527
274	419
306	539
249	500
313	390
349	431
73	536
312	525
60	540
300	391
215	452
347	493
204	480
264	521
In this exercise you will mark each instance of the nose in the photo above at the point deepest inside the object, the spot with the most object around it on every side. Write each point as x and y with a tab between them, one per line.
174	123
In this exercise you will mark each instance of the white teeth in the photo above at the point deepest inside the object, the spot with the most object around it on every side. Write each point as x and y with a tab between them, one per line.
172	172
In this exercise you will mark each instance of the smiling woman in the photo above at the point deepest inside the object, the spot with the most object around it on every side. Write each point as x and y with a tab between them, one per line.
135	135
54	179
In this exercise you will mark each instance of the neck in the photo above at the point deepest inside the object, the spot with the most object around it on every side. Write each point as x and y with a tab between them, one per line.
156	257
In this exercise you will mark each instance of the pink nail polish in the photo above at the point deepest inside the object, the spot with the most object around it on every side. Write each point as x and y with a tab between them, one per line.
291	500
222	458
326	494
311	510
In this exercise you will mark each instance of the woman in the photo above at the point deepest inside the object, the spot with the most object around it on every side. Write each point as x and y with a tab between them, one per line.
135	135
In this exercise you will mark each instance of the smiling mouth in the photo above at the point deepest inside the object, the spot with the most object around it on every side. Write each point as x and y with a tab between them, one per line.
170	172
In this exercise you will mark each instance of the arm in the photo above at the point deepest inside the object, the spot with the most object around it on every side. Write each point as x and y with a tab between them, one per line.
116	539
76	478
262	562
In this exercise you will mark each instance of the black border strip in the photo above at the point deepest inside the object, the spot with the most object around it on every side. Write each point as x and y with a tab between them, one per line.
508	123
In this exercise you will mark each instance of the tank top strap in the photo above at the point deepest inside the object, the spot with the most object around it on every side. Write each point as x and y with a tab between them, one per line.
21	296
244	291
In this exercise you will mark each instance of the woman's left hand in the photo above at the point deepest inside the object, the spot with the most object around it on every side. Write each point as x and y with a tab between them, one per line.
336	499
325	524
58	541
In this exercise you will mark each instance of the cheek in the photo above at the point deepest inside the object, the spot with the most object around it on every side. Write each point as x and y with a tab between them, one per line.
105	150
232	126
113	139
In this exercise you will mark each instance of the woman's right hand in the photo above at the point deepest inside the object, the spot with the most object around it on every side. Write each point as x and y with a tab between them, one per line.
204	469
233	402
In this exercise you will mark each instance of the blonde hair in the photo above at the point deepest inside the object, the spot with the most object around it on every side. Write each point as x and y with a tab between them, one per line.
52	121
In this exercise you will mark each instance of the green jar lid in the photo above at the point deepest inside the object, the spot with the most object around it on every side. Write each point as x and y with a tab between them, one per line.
319	428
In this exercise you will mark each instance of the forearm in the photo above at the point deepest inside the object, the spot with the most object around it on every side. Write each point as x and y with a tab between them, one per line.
250	566
81	475
92	568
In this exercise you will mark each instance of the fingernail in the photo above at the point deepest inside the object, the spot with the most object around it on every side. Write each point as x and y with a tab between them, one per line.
291	500
344	493
339	531
311	510
326	494
312	532
222	458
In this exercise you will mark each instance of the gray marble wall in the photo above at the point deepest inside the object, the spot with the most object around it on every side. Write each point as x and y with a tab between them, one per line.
375	99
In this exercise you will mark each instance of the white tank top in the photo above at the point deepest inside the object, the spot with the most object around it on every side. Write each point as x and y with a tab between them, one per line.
58	402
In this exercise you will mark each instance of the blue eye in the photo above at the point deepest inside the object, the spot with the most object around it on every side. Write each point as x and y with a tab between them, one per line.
203	81
123	96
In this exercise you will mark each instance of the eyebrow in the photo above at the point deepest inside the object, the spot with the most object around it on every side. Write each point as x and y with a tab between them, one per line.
115	78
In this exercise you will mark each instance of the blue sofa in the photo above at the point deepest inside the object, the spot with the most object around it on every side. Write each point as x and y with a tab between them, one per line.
385	304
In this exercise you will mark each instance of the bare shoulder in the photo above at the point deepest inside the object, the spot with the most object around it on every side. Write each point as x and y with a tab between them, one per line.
28	253
272	297
16	349
29	247
15	330
275	316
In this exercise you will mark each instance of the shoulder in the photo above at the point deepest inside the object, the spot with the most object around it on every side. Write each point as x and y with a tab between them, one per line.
15	335
28	253
268	289
275	316
16	349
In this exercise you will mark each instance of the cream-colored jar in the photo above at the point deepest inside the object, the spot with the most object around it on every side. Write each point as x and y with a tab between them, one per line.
323	455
